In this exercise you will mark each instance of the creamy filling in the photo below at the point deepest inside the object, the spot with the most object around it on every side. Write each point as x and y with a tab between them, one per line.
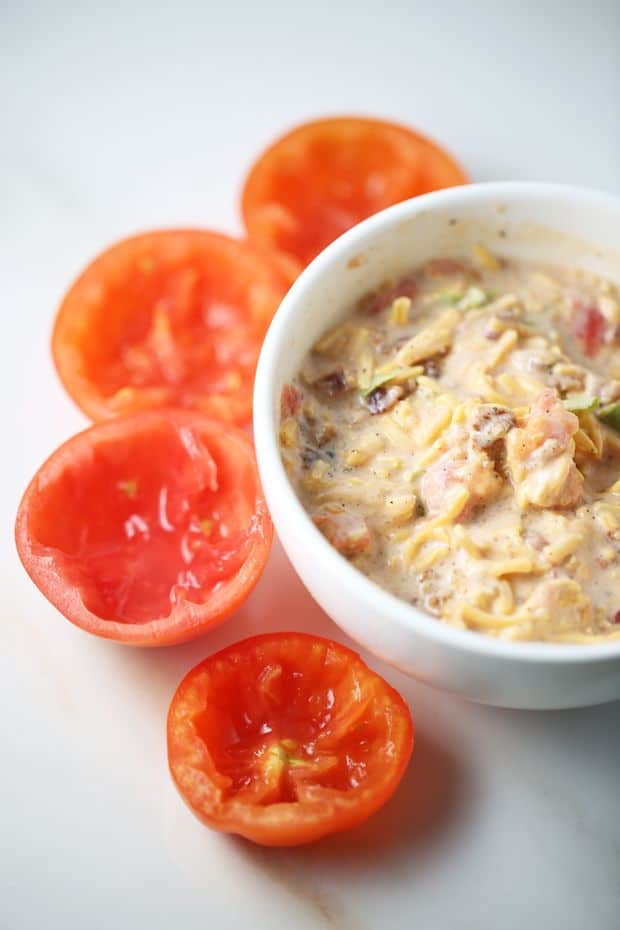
457	438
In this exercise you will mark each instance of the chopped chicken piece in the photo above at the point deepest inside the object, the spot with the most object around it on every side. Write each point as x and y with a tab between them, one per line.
406	287
471	469
560	604
541	456
491	424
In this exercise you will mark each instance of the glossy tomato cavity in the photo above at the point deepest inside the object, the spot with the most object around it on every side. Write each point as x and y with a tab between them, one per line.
284	738
324	177
147	528
170	318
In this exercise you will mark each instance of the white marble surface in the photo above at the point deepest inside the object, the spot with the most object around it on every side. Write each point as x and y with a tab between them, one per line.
122	117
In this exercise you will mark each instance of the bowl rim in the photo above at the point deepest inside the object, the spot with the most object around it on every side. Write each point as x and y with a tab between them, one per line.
395	610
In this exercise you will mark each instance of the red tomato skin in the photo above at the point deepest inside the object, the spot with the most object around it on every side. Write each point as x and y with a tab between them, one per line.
284	824
187	620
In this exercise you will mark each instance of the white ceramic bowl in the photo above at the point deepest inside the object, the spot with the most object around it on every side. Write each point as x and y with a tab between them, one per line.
541	222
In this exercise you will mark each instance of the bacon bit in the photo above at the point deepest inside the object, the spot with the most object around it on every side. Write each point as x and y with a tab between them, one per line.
590	326
309	456
432	367
333	383
408	287
290	401
383	398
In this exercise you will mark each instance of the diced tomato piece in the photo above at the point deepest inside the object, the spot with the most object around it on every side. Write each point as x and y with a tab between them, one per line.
325	176
148	529
284	738
170	318
589	328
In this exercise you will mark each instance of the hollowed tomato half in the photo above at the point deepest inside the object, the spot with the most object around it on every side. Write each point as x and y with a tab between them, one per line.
325	176
174	318
147	529
284	738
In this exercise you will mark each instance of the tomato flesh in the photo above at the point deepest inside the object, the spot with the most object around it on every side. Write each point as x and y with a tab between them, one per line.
325	176
285	737
137	541
144	519
590	326
172	318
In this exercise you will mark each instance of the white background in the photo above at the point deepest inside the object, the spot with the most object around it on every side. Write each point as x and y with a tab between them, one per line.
117	118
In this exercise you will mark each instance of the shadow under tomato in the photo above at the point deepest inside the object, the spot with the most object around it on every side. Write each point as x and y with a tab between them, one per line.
427	804
432	791
431	795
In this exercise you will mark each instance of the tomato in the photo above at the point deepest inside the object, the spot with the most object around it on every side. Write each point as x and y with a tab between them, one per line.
325	176
169	318
284	738
147	529
590	326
